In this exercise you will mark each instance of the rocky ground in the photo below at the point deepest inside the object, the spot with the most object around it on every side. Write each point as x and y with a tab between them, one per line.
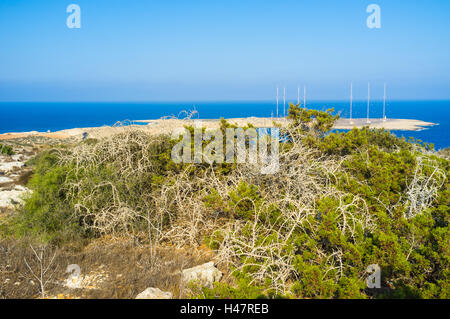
14	171
14	175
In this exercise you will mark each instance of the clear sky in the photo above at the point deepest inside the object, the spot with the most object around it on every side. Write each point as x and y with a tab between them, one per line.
131	50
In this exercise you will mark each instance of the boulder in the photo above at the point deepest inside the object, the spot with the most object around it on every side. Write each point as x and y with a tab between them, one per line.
205	274
154	293
9	198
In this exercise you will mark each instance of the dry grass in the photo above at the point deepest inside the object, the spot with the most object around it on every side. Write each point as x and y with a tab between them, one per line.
122	268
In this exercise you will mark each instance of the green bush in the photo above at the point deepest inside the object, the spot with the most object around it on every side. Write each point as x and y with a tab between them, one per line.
46	215
242	289
6	150
244	200
313	122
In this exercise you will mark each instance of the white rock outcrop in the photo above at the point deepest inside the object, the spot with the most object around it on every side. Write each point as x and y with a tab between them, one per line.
10	198
205	274
9	166
4	180
92	280
154	293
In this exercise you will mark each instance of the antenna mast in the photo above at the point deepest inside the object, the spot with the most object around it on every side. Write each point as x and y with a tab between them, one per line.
277	102
284	102
304	96
384	104
368	102
351	103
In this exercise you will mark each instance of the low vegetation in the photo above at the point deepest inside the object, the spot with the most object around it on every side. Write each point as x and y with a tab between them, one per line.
6	150
338	203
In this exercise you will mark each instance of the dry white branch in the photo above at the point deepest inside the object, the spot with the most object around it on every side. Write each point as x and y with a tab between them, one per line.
423	188
43	271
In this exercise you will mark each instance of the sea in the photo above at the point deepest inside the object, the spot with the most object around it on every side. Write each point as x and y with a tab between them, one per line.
54	116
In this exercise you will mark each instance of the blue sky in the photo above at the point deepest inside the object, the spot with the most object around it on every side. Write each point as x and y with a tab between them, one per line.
171	50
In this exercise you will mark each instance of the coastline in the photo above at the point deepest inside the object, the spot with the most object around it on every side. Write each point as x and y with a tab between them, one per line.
166	126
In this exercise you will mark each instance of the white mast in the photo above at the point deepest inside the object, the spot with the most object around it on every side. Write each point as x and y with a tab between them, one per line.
384	104
351	103
277	102
284	102
368	102
304	96
298	95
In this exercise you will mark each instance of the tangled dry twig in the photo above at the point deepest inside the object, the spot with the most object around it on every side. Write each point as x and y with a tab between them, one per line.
175	211
423	188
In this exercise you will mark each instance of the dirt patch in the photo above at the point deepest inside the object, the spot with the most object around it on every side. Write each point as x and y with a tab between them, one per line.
110	268
24	177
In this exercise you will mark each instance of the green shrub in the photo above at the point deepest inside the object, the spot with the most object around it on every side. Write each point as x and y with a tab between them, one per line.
314	122
244	200
46	215
6	150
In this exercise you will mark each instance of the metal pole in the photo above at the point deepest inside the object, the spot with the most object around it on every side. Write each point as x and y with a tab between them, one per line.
368	102
304	96
351	103
384	104
277	102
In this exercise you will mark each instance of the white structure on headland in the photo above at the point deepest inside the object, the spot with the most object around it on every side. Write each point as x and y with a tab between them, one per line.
277	102
368	102
304	96
384	104
351	103
284	102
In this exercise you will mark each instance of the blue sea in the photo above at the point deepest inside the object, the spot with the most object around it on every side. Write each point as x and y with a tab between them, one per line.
43	116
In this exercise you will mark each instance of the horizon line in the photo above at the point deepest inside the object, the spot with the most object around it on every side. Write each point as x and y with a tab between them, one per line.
228	101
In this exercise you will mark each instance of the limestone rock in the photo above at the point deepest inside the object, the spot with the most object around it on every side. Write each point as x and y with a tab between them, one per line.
9	198
4	180
154	293
9	166
92	280
205	274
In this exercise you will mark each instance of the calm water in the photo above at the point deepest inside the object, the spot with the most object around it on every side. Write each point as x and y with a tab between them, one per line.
23	117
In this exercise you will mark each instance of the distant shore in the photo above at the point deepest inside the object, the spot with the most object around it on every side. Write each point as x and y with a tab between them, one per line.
166	126
388	124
